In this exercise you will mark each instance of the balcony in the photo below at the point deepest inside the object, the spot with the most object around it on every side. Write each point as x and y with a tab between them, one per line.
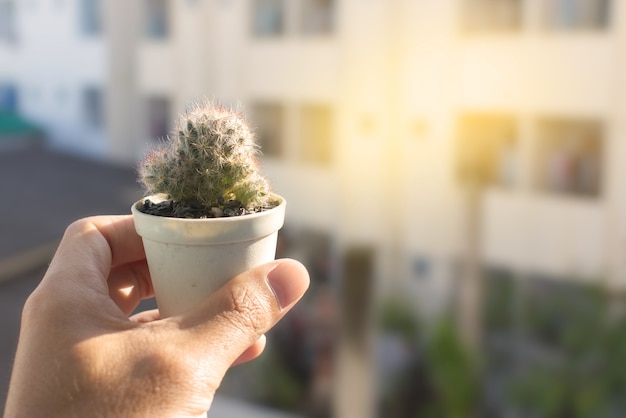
548	234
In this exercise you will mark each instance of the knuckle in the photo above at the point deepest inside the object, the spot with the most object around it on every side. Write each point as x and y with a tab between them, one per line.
34	307
39	306
154	372
77	226
249	310
162	368
158	365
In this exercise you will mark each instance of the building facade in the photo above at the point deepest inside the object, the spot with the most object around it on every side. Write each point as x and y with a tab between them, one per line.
364	110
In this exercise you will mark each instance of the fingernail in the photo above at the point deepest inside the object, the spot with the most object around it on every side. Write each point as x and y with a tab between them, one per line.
286	282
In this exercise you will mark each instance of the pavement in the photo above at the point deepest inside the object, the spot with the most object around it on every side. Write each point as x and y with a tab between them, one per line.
43	192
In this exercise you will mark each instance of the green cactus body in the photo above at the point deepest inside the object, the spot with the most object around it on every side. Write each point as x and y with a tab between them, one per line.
211	158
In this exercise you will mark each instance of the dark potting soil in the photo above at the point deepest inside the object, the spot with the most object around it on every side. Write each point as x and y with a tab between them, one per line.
196	210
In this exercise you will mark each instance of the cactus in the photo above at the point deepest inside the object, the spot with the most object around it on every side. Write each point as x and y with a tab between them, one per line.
210	159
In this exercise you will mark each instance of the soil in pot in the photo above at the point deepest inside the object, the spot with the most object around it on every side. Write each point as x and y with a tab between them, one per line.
196	210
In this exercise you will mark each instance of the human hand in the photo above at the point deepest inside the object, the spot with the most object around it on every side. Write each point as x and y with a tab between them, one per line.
79	353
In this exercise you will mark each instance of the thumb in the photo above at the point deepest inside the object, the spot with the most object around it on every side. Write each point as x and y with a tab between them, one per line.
246	307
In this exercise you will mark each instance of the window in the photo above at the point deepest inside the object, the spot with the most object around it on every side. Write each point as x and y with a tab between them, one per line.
316	134
268	121
7	21
8	99
318	17
93	105
486	146
422	267
90	17
158	117
268	17
492	15
569	156
157	19
577	14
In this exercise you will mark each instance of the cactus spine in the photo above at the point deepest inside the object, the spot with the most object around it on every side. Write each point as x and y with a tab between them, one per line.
210	158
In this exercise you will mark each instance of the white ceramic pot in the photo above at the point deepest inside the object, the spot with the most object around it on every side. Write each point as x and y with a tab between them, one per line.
191	258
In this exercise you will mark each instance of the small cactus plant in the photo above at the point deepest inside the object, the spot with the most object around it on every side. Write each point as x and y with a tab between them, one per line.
210	160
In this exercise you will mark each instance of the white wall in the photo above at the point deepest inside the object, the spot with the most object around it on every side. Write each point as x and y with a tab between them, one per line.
53	65
8	62
546	234
547	74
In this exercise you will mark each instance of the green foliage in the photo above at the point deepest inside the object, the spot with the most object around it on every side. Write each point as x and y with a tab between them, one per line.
583	374
396	317
440	380
540	392
454	372
275	385
210	158
499	302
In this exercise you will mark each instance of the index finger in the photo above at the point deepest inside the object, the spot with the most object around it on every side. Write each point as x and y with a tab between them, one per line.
124	244
91	248
119	231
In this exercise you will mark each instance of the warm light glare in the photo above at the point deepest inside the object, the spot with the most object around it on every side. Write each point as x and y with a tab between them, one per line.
126	291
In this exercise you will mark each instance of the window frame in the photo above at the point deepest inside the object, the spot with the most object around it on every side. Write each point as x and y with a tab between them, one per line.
157	20
90	17
93	99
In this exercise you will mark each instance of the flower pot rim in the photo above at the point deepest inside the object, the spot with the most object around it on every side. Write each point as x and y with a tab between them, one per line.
160	197
209	231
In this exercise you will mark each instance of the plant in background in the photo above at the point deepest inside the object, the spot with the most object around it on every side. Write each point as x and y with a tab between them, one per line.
454	371
579	371
207	168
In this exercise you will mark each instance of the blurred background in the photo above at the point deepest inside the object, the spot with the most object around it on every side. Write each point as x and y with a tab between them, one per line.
453	170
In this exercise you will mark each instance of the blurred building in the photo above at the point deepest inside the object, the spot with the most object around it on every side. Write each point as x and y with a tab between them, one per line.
364	110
